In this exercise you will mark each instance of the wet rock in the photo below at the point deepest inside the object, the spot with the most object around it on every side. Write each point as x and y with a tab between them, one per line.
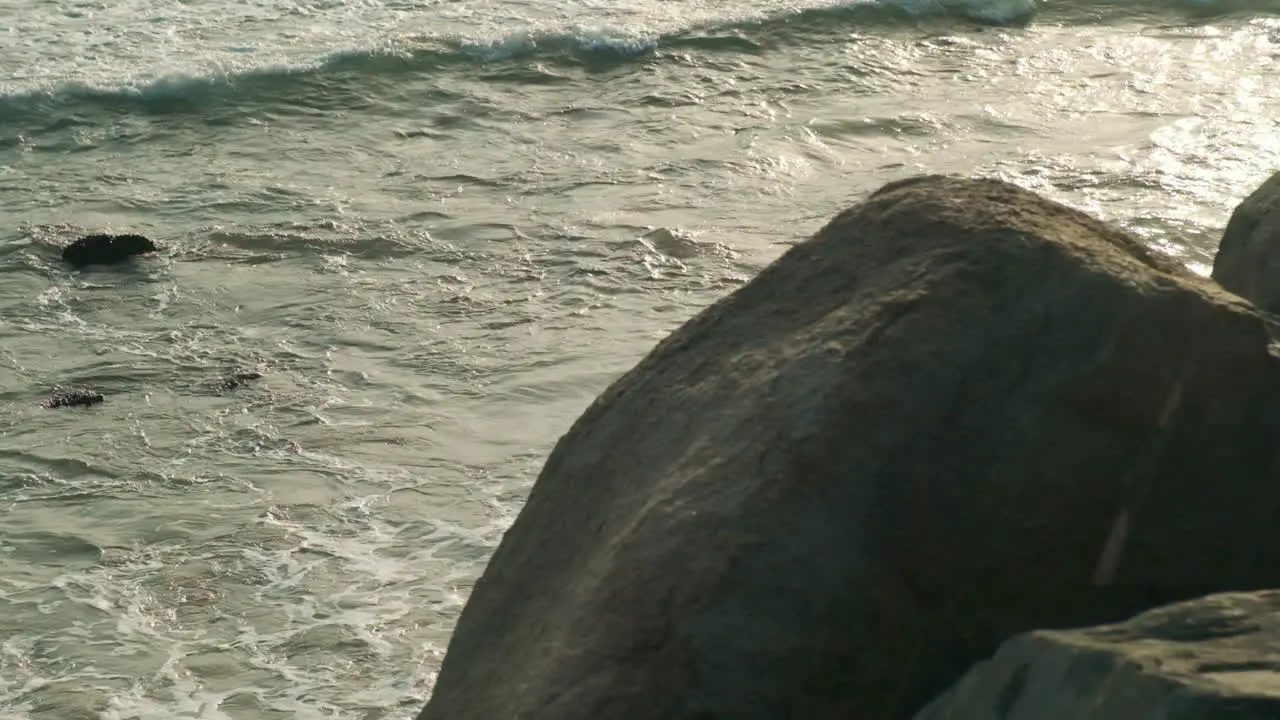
106	249
235	380
1248	259
1214	658
73	398
959	412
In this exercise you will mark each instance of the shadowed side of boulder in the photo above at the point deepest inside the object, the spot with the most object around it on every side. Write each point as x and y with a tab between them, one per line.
959	412
1248	258
1214	658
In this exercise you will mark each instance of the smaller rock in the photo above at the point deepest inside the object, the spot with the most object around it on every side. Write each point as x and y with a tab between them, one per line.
1248	259
106	249
1214	658
73	398
235	380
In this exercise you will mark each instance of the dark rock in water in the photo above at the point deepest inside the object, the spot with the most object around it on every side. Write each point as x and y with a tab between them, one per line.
106	249
235	380
73	398
959	412
1248	259
1215	658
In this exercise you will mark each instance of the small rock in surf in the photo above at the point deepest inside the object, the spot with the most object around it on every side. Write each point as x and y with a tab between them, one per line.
235	380
106	249
73	398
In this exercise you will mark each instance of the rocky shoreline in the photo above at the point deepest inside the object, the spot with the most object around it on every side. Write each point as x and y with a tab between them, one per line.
966	453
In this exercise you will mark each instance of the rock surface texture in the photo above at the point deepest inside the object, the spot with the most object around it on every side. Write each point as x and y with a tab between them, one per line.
1216	658
1248	259
957	413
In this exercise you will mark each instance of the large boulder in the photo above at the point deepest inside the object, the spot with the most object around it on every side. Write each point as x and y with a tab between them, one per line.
1248	259
1216	658
959	412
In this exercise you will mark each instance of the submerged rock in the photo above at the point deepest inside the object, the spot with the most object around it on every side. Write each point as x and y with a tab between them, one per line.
957	413
235	380
106	249
1248	259
1214	658
73	398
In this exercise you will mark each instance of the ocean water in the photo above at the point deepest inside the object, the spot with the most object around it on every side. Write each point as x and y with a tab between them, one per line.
440	228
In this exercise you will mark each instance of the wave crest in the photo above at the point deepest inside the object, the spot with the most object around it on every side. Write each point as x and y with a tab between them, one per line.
354	77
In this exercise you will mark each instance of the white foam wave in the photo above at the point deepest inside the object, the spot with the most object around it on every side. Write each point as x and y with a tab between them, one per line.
505	47
187	49
309	612
999	11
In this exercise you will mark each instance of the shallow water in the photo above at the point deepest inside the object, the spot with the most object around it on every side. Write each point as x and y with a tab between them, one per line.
440	229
